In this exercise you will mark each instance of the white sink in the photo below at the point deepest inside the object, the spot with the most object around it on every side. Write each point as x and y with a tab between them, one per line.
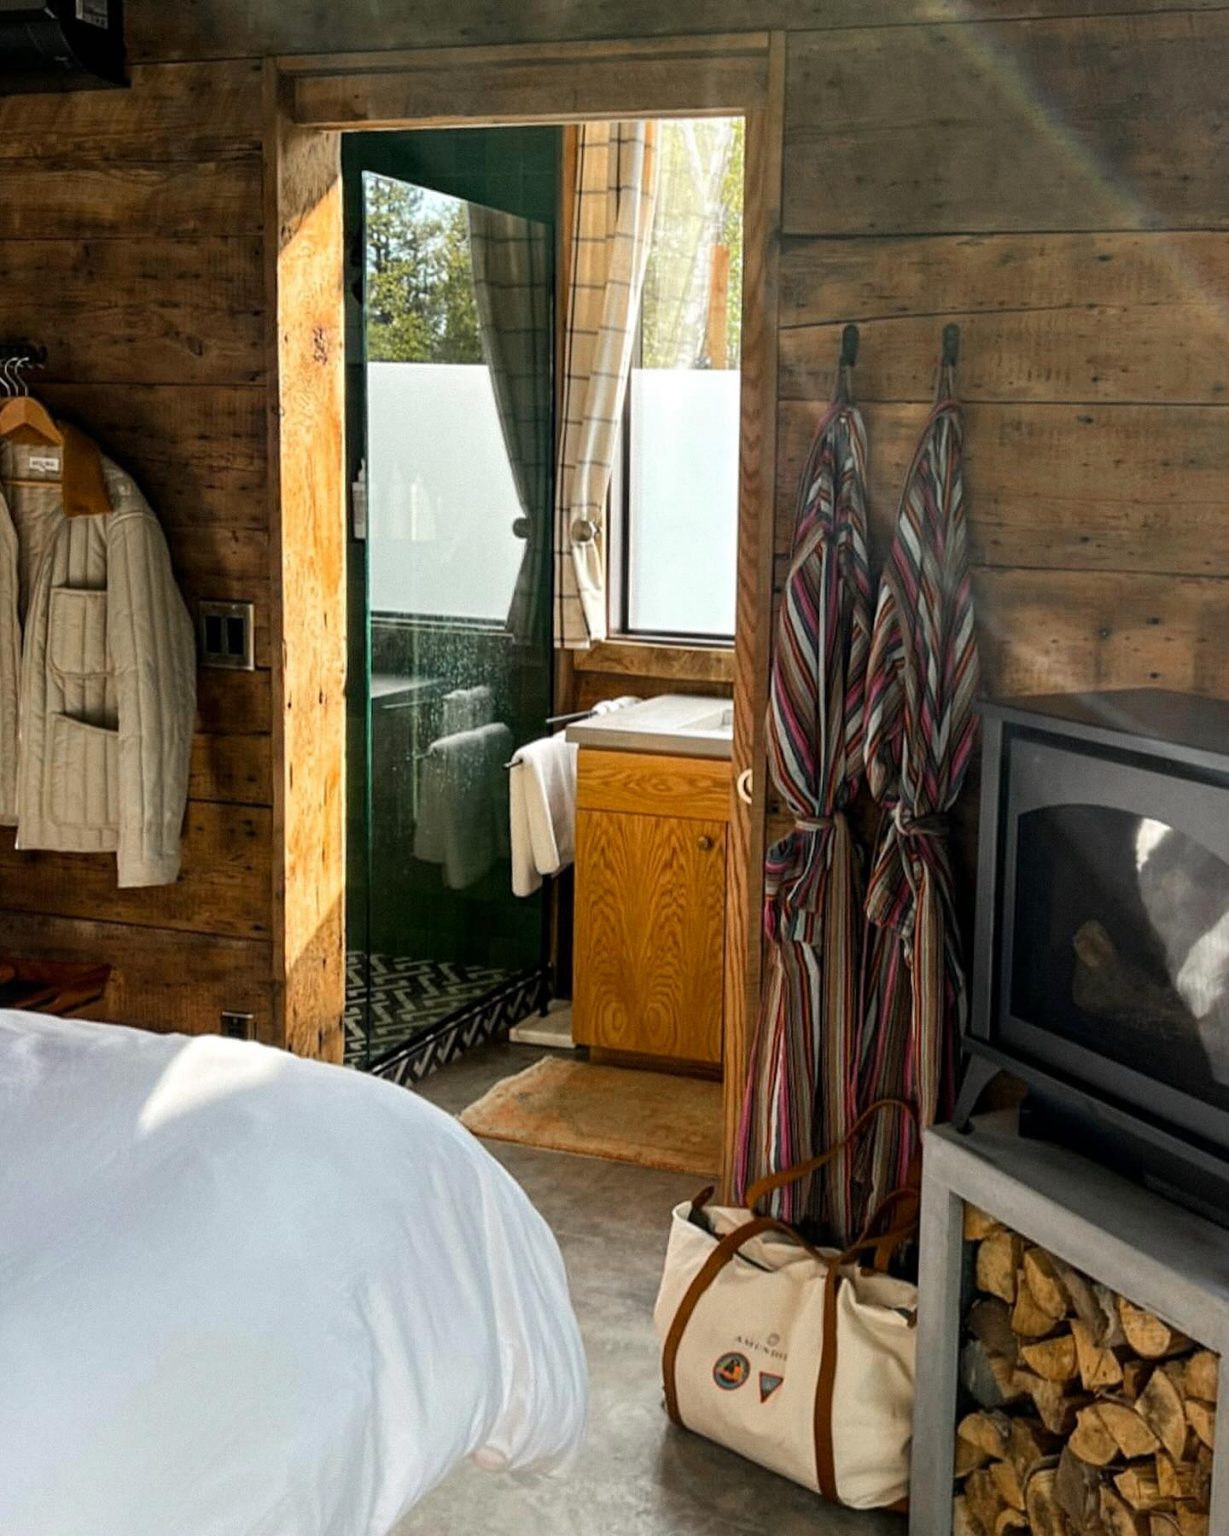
684	724
714	722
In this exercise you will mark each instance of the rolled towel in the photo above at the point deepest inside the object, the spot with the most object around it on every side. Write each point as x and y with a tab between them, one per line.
542	811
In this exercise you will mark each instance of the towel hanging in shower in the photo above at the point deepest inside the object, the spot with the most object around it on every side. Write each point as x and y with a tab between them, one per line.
462	822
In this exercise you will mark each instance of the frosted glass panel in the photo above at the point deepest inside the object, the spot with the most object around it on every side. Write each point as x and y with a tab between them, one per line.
683	501
441	497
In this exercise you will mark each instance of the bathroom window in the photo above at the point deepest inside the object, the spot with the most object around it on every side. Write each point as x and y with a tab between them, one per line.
674	498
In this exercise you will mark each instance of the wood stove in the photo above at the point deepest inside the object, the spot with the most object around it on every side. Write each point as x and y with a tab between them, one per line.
1102	948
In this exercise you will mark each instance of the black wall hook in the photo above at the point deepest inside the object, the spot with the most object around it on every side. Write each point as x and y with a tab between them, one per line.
951	345
26	351
849	346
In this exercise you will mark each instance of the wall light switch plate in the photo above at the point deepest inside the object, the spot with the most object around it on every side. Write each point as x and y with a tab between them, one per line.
226	633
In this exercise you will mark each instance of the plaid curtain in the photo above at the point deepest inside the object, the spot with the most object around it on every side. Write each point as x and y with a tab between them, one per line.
512	292
616	184
800	1085
920	729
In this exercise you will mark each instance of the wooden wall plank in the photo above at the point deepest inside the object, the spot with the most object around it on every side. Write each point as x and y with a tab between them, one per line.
232	768
1056	631
1122	317
529	92
304	276
753	616
230	28
111	200
1141	488
1023	125
161	979
190	113
141	311
208	559
238	702
199	452
1052	631
675	664
223	887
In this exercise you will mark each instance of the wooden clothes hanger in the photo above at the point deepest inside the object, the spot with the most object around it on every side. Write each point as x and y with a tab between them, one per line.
23	419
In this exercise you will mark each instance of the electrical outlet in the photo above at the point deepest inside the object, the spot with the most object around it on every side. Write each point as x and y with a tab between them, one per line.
238	1026
226	634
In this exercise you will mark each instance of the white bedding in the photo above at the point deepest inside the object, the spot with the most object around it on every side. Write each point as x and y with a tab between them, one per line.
247	1295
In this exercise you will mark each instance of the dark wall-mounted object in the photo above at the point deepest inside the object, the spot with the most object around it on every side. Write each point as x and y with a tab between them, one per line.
61	45
1101	967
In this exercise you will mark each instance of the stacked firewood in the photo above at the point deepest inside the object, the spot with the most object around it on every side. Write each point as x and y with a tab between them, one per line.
1093	1417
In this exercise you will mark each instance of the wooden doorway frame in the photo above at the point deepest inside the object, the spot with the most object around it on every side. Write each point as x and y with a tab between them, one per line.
309	102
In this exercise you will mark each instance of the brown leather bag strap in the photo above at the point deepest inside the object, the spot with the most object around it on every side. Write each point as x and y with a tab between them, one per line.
825	1390
771	1181
886	1243
825	1387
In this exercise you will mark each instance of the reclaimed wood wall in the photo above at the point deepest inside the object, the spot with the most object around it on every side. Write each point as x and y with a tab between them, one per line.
1049	173
131	239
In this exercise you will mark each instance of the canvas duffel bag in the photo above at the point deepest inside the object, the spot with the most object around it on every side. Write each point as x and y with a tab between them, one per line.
799	1358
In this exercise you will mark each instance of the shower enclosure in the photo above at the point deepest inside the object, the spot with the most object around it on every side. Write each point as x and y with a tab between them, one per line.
449	428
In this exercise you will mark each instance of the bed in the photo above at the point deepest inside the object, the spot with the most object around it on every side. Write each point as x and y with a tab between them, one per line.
243	1294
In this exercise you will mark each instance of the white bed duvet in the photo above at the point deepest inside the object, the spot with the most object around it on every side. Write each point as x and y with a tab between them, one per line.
247	1295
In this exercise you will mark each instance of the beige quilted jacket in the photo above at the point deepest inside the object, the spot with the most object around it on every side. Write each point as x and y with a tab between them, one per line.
97	663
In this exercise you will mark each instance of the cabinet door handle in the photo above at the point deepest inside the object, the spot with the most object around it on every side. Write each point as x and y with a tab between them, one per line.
705	843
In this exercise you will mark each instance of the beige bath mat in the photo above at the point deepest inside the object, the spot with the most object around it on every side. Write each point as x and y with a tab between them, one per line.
651	1118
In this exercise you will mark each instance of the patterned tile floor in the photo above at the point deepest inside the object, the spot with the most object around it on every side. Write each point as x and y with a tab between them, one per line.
407	997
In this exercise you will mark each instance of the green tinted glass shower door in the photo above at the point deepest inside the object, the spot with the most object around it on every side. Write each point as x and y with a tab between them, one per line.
455	430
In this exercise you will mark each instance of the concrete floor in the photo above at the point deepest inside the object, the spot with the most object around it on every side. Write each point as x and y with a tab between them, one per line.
638	1475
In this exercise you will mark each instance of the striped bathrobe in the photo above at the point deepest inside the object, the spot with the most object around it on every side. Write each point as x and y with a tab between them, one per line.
800	1092
920	727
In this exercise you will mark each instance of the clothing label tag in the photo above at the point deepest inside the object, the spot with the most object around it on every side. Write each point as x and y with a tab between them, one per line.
43	464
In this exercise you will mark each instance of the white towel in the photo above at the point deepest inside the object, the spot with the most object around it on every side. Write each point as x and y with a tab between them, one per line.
461	824
542	811
465	709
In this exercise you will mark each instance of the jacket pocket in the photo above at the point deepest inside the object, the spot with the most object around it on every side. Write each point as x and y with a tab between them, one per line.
77	632
84	788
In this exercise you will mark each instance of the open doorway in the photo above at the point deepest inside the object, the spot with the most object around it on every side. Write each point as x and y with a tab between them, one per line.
323	102
543	361
450	239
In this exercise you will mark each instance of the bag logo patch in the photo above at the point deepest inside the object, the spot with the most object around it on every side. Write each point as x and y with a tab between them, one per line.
768	1385
731	1372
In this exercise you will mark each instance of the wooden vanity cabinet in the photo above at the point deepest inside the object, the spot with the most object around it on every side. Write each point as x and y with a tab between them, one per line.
650	907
